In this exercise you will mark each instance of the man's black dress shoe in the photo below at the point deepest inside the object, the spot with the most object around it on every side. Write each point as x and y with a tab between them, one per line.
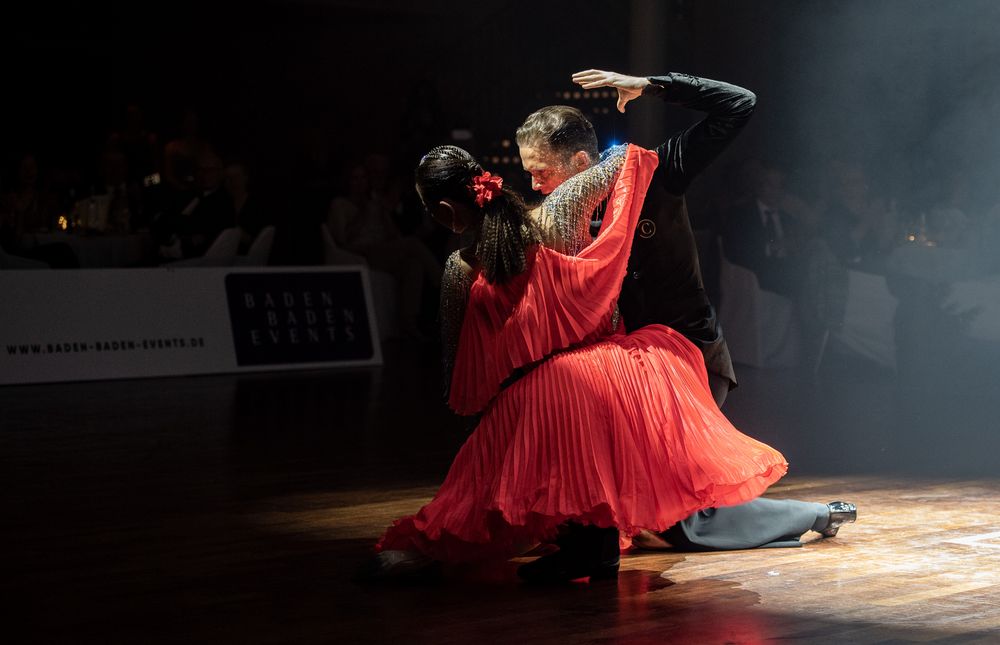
584	552
559	567
840	513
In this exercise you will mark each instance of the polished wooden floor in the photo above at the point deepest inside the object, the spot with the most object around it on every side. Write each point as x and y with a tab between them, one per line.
236	509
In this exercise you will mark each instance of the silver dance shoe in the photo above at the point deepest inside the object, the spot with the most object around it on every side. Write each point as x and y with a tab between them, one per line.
840	513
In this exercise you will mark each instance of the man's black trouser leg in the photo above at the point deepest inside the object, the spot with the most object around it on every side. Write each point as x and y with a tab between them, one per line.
761	522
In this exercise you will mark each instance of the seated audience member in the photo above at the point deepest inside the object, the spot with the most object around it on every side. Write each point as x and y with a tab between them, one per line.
188	232
181	155
140	146
360	223
764	231
30	208
27	207
250	218
384	187
124	197
857	227
948	222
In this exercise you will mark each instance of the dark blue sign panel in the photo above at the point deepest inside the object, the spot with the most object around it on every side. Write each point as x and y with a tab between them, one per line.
287	318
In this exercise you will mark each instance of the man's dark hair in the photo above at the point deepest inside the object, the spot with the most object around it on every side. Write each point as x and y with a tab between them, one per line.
562	128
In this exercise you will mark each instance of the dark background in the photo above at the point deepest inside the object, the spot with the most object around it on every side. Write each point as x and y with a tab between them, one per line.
907	85
304	89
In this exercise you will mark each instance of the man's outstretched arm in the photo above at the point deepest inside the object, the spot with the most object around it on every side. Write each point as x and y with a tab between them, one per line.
687	152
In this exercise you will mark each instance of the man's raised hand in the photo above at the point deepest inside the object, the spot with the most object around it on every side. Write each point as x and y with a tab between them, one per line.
629	87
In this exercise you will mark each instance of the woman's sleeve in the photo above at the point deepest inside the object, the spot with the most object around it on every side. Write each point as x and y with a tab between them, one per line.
455	284
567	211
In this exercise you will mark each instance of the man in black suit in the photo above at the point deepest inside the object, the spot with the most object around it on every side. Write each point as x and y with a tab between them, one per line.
188	229
760	234
664	284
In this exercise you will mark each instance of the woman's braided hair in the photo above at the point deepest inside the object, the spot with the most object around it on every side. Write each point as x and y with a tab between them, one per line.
504	234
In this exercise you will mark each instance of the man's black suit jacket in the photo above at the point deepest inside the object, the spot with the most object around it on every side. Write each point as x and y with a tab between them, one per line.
664	283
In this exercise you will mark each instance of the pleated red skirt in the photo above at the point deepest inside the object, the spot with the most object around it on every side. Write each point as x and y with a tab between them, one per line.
623	432
620	431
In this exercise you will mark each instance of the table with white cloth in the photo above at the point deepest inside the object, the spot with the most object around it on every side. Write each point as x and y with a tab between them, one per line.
978	303
929	301
935	263
104	250
868	326
966	290
949	310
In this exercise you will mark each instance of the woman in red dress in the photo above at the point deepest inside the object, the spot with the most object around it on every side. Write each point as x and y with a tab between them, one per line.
586	434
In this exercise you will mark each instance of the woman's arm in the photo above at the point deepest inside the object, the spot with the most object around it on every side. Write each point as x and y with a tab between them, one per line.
565	214
455	283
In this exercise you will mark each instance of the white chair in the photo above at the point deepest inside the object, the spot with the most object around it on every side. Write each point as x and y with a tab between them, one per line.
18	263
867	328
384	291
334	255
979	302
259	252
760	326
222	253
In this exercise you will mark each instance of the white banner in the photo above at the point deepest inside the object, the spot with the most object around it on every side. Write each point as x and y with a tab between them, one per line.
76	325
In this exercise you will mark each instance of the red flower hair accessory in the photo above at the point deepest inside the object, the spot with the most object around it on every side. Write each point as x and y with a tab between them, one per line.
485	187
